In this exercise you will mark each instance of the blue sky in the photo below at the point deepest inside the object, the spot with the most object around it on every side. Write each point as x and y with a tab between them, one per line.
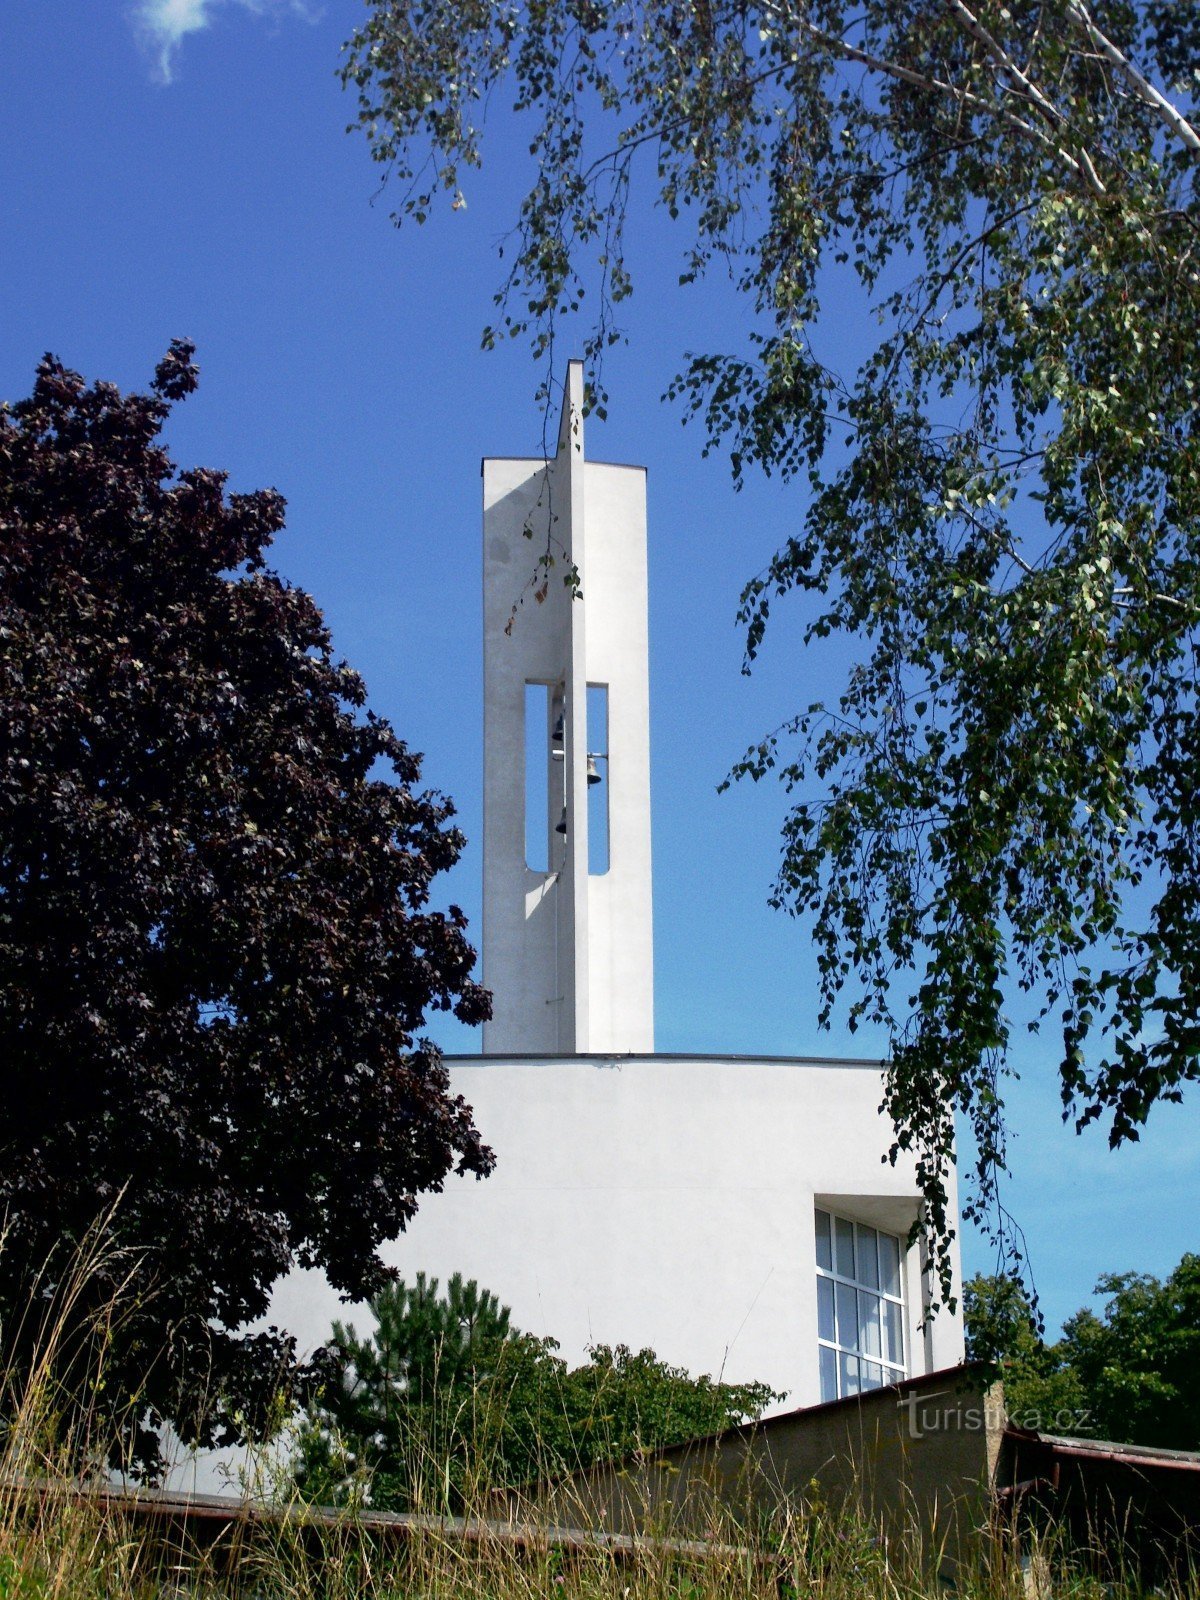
181	168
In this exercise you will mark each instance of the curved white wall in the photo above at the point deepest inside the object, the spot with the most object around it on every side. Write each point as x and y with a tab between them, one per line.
662	1201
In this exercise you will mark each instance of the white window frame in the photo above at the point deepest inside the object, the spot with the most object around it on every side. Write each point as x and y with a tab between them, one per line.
862	1336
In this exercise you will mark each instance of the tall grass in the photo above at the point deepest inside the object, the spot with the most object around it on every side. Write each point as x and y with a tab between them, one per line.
63	1538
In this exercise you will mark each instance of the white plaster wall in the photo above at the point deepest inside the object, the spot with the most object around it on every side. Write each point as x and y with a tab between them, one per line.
664	1202
527	916
567	955
620	921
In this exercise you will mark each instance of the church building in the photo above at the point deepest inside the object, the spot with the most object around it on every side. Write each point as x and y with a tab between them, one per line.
733	1213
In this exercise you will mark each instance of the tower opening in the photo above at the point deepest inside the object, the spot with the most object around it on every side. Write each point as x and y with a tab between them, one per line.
599	776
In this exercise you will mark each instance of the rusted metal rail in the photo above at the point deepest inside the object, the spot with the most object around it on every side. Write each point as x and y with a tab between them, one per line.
211	1523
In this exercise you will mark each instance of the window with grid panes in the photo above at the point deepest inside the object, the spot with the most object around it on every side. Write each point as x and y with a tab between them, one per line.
860	1307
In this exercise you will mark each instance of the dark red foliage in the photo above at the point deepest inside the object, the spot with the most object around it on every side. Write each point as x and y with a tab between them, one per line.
216	946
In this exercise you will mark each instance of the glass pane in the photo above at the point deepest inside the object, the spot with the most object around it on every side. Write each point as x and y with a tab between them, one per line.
829	1389
893	1332
848	1371
824	1243
847	1317
825	1309
889	1264
868	1259
843	1233
868	1325
872	1374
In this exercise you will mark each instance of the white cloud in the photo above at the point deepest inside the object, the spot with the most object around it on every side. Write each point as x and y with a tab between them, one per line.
163	25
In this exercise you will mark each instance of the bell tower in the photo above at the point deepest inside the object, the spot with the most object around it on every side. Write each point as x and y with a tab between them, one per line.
567	936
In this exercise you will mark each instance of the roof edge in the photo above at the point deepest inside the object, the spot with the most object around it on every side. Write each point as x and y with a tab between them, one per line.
617	1058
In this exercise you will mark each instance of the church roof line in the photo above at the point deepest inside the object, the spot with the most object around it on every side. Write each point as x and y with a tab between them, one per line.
624	466
618	1059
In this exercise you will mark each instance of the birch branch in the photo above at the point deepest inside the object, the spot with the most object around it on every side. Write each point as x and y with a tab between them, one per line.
1003	60
1144	89
1081	168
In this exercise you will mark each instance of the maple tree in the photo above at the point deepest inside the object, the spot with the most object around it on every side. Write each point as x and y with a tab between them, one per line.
217	947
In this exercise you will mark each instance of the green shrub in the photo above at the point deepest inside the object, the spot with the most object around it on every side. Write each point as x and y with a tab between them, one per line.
446	1393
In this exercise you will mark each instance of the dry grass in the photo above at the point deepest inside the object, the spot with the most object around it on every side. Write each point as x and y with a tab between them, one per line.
60	1539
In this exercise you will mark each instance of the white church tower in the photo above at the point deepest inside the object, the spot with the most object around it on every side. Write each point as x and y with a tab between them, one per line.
734	1213
567	939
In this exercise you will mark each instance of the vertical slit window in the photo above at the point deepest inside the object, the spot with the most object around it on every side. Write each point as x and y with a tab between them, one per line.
537	777
599	777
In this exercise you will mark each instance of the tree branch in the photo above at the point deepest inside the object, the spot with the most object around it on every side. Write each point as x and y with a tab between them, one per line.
1170	115
1081	168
